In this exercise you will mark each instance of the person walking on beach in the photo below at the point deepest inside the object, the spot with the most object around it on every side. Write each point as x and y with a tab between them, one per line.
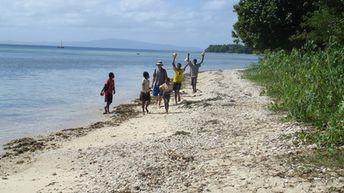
108	91
159	78
167	89
177	77
145	92
194	67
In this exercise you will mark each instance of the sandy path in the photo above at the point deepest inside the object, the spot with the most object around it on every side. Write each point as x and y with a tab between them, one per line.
222	139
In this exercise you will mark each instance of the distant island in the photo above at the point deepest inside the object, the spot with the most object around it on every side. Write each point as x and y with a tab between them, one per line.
229	48
109	43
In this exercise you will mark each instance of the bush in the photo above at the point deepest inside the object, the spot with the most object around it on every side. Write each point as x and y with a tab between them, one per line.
310	86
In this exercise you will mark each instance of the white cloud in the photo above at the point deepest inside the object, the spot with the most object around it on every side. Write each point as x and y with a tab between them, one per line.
140	5
215	5
162	21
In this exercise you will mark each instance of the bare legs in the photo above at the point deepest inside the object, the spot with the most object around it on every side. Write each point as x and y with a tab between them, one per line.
108	100
107	108
194	88
166	103
145	106
176	96
158	100
193	83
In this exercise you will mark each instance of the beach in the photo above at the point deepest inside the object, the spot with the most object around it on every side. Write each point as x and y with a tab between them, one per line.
59	88
223	138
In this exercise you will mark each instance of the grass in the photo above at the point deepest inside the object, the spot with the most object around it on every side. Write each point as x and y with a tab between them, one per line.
309	85
321	159
330	159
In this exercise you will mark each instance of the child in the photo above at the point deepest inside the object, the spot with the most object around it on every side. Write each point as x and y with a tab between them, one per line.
145	92
167	89
177	77
108	91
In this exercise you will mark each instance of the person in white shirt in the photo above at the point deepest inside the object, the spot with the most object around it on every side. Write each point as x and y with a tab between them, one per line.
145	92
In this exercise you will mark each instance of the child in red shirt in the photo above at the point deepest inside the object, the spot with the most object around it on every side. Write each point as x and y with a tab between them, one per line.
108	91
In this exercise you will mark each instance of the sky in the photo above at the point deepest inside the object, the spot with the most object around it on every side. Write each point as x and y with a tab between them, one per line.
193	23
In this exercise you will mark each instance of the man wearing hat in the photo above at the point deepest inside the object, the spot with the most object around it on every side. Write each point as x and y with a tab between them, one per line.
159	78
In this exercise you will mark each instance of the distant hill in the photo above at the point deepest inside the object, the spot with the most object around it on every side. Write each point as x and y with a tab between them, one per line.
229	48
110	43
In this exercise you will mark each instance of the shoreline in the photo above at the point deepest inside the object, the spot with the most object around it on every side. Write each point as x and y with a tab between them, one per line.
220	139
40	142
88	118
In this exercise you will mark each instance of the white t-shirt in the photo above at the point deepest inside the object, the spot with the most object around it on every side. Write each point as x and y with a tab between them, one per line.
145	85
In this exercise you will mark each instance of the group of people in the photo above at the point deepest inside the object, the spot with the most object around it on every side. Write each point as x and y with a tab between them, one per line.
162	86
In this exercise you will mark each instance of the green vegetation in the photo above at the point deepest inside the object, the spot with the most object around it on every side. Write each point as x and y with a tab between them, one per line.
325	25
314	164
303	64
310	86
229	48
333	159
271	24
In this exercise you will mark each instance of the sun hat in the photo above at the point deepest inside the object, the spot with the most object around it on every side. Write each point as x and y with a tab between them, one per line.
159	63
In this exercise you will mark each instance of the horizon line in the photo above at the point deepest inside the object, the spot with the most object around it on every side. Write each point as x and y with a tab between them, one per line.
92	47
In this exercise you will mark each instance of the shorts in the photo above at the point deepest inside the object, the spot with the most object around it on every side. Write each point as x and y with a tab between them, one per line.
108	98
177	86
193	80
156	91
145	96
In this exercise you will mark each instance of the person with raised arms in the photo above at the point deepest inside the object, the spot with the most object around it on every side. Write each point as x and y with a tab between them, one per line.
194	68
177	77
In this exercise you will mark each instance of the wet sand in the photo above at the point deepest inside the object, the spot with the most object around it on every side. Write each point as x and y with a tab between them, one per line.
221	139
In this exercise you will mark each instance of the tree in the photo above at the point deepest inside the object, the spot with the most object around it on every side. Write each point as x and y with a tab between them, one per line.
271	24
325	25
229	48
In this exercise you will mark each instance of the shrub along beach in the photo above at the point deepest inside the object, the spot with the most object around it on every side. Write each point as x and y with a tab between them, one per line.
303	66
310	87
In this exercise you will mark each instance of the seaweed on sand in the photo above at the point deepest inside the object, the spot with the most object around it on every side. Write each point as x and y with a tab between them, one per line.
28	144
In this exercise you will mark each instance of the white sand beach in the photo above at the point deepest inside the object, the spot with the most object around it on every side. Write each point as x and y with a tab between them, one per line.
221	139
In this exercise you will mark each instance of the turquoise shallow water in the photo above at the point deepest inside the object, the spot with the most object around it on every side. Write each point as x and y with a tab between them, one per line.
44	89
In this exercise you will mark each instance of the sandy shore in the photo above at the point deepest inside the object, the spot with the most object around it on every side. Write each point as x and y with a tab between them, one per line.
222	139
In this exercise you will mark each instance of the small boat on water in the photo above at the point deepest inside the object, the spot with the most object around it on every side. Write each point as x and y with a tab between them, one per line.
60	46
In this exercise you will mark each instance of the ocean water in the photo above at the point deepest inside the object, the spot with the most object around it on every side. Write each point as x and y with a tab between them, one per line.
45	89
